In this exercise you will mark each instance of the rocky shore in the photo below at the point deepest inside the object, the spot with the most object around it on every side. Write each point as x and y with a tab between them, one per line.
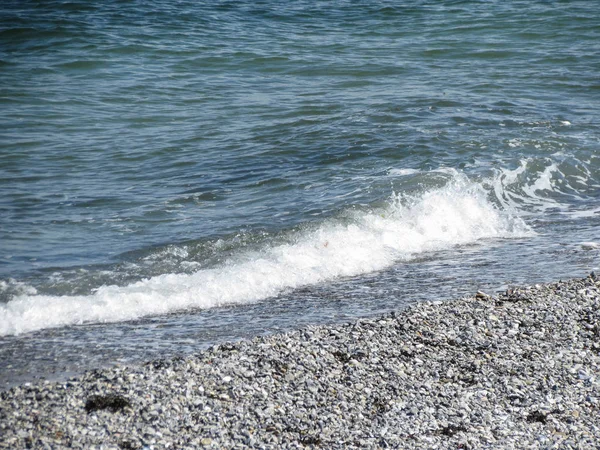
518	370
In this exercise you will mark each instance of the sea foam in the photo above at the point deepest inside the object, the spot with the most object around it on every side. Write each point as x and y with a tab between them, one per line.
365	241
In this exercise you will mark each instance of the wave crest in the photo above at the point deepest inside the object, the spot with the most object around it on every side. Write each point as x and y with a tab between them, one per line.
406	227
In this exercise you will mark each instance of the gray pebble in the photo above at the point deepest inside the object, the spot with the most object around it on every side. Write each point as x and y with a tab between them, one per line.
516	370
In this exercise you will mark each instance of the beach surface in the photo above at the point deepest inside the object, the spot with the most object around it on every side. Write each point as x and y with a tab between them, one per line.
515	370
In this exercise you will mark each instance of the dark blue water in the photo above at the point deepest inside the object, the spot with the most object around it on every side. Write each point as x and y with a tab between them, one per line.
174	175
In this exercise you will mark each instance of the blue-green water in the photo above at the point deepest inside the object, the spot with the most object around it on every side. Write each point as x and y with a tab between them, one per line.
177	174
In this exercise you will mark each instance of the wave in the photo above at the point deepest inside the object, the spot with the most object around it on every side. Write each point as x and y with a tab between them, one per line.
539	185
406	227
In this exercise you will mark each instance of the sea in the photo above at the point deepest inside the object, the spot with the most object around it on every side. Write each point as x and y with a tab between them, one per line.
182	173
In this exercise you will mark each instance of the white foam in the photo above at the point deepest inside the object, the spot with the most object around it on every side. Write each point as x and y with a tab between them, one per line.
595	212
402	172
515	143
16	286
458	213
543	182
554	186
523	187
590	245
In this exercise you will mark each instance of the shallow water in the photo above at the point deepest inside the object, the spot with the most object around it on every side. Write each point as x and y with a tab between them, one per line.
176	176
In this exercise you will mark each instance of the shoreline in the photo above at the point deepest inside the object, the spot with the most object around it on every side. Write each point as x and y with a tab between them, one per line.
520	369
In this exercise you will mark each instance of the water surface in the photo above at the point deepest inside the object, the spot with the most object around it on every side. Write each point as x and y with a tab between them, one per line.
176	175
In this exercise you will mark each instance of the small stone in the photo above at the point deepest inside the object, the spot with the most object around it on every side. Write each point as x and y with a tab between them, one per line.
520	371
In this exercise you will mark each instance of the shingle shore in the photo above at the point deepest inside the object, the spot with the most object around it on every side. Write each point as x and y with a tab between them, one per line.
518	370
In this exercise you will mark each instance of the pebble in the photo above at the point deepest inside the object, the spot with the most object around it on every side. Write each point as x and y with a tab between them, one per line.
514	370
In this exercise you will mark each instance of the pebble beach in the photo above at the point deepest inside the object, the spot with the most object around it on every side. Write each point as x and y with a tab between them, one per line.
516	370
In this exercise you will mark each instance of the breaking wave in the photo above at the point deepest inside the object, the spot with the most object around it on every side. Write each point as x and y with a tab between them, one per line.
360	241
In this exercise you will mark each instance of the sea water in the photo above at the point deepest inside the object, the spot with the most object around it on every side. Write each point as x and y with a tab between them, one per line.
181	173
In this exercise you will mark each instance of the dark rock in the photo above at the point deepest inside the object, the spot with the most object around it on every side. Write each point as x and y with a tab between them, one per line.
111	402
451	430
341	356
537	416
159	364
128	445
310	440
